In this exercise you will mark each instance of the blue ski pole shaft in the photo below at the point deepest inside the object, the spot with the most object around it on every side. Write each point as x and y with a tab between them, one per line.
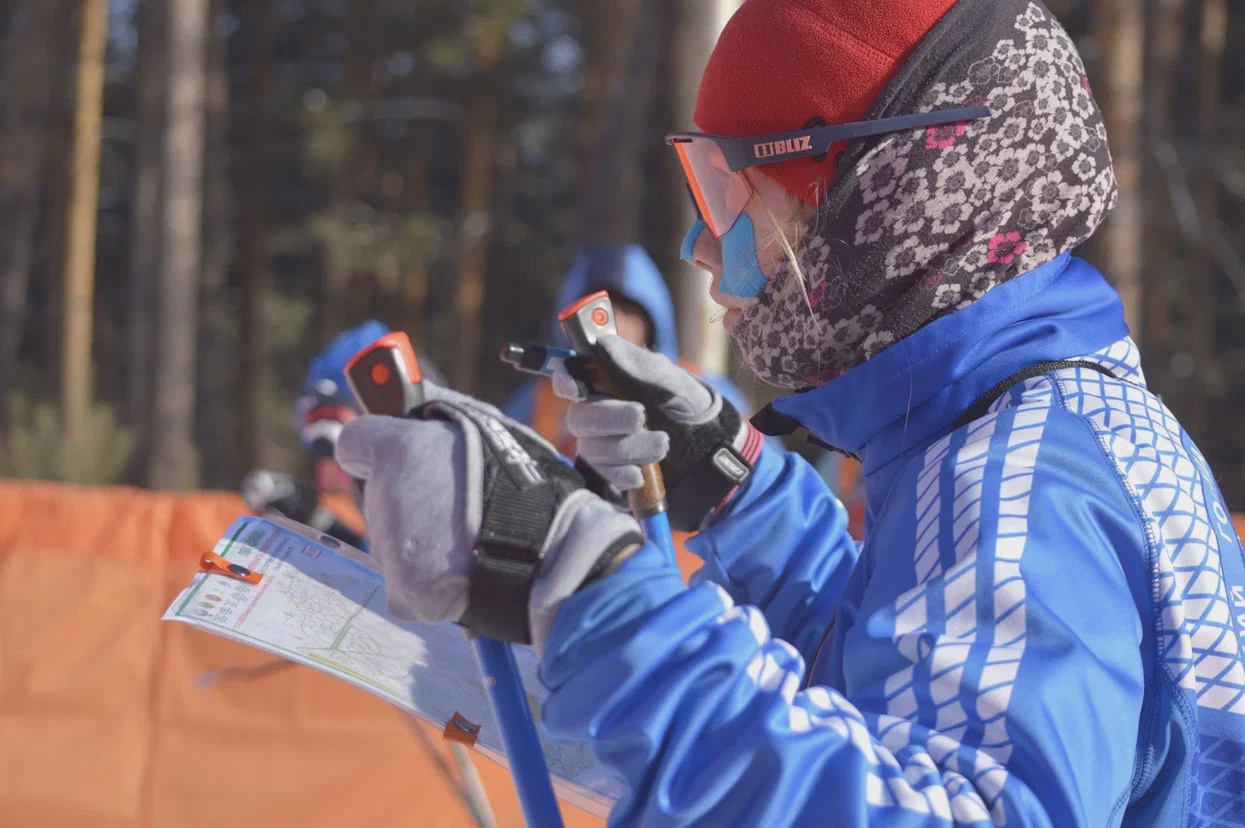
657	529
386	379
518	733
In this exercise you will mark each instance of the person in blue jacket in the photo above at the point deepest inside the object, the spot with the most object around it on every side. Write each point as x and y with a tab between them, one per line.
324	405
645	316
1043	624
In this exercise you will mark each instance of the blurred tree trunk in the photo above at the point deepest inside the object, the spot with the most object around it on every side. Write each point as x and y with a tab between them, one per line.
475	207
415	281
253	357
26	80
217	333
145	233
696	30
611	205
173	461
505	293
1206	189
52	235
474	218
1119	30
79	278
1163	29
604	36
334	301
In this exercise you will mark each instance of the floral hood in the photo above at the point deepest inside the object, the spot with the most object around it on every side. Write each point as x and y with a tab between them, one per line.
920	224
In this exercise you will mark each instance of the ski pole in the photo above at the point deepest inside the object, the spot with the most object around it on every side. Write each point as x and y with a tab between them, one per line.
385	378
584	322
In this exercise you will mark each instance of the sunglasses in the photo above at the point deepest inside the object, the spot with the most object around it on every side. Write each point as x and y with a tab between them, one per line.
714	164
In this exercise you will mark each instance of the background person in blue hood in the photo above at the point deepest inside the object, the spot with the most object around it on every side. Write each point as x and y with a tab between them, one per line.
321	410
1045	625
645	314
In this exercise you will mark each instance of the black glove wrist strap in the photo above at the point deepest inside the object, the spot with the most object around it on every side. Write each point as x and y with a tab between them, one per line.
707	469
705	486
524	484
508	556
499	590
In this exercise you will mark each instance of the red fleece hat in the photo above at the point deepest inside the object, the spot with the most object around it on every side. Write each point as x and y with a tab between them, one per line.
781	63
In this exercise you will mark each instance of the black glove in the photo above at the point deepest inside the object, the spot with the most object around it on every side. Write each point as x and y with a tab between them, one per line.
705	448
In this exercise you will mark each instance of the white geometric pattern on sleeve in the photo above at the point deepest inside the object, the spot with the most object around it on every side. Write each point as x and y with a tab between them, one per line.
1123	359
912	768
956	629
909	767
960	622
956	586
1143	439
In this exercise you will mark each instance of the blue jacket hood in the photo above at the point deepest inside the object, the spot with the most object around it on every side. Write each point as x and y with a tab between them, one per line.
330	363
917	388
629	271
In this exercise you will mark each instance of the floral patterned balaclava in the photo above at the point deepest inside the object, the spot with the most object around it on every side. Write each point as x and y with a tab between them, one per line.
920	224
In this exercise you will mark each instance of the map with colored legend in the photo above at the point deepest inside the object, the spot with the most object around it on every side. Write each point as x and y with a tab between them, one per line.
321	604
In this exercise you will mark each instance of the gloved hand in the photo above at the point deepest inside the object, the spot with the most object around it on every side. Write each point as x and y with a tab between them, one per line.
705	448
319	416
474	518
269	491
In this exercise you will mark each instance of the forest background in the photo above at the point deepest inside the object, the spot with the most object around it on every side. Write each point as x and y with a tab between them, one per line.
196	195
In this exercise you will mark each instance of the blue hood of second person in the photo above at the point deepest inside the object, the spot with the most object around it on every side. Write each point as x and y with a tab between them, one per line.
628	271
330	363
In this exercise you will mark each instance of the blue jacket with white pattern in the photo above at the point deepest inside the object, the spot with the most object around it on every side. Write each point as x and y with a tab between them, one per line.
1042	628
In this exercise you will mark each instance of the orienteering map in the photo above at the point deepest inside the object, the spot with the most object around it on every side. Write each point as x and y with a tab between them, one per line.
325	608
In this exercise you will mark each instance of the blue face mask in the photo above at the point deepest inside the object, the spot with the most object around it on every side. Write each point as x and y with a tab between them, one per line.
741	272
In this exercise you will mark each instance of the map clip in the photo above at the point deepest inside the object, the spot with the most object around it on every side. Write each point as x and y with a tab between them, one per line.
460	729
216	565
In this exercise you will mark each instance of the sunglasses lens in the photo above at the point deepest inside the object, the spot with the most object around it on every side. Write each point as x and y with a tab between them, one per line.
720	194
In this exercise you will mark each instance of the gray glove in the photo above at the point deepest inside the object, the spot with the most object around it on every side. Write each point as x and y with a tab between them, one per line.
474	518
705	448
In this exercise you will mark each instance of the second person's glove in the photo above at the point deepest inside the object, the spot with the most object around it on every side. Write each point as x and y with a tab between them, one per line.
705	448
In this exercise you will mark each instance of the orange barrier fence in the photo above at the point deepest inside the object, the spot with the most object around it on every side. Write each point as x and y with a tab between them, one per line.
110	717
